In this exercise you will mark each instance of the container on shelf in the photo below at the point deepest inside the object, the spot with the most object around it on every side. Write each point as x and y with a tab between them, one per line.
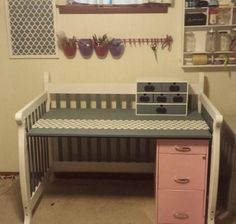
213	16
211	40
224	41
192	3
200	59
195	19
224	16
213	3
190	41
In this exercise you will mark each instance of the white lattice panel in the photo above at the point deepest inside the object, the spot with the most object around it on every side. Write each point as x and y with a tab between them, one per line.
31	28
122	124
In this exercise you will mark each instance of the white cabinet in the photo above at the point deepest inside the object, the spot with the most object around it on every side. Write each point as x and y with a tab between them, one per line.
209	37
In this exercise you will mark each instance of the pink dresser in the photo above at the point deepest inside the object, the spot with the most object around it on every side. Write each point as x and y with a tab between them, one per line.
181	178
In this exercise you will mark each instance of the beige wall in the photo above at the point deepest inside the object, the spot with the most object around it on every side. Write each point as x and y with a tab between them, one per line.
22	79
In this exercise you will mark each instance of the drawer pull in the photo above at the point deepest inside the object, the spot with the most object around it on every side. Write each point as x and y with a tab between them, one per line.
183	149
181	215
182	180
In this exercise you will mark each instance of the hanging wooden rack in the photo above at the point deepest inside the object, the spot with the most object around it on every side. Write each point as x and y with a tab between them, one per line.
165	41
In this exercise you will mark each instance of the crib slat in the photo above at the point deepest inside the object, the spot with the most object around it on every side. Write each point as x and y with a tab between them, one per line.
69	148
43	155
78	101
40	158
88	101
98	101
30	164
36	171
79	158
118	153
37	152
108	102
60	151
128	101
99	151
118	101
89	153
58	101
108	147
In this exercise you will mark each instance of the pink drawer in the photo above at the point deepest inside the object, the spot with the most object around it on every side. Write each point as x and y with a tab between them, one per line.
183	146
180	207
178	171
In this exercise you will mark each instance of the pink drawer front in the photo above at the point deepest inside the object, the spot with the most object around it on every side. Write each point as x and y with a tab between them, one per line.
178	171
180	207
182	146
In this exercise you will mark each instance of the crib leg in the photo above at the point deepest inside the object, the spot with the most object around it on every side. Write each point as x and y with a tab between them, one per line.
24	160
27	217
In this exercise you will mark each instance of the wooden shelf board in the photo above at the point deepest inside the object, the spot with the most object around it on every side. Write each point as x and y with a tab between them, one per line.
209	66
114	9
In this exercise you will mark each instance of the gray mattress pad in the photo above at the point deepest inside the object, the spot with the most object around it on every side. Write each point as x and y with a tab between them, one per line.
118	123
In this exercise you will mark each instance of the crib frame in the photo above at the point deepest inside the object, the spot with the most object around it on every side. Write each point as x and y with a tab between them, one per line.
33	183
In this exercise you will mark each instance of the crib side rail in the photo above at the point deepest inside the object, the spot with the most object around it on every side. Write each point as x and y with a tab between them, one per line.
37	106
32	172
212	111
214	119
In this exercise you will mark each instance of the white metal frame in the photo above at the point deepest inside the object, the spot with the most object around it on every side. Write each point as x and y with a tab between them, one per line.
30	201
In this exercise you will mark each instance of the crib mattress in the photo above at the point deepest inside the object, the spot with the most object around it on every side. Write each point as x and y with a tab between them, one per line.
118	123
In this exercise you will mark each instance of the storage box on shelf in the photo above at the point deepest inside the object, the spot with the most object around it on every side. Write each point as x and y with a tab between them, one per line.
209	37
162	98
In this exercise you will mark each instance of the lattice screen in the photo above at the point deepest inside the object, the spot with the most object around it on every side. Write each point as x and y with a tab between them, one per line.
31	26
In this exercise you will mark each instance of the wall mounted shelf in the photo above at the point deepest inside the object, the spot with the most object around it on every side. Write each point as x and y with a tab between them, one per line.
114	9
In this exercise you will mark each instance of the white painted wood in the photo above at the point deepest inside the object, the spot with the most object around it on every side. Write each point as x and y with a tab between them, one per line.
92	88
104	167
24	173
201	79
212	110
27	200
215	157
40	189
46	79
29	108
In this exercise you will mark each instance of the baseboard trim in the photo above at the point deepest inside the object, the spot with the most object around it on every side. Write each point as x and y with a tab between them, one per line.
9	175
113	176
91	175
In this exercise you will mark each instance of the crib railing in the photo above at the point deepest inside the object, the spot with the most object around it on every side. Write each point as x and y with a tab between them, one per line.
34	164
92	101
227	192
100	149
103	149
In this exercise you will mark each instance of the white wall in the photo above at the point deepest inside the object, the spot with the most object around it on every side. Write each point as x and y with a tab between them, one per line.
22	79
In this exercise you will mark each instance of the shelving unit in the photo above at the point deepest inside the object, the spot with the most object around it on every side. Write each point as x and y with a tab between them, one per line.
201	20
